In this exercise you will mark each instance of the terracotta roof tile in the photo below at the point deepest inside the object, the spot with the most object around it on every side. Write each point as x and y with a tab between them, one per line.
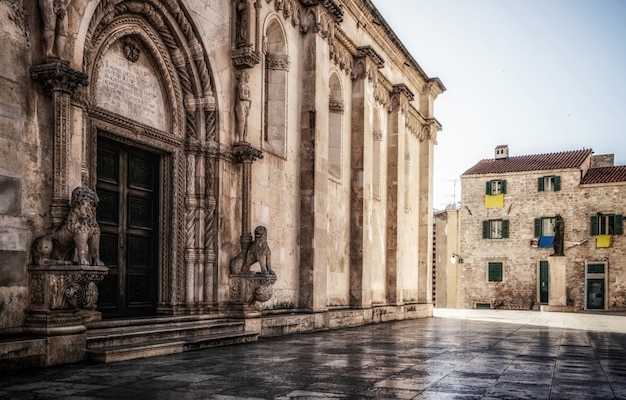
535	162
605	175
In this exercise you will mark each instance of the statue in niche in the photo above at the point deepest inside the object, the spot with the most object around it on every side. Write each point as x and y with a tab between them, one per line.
242	108
242	23
54	16
258	251
78	239
559	236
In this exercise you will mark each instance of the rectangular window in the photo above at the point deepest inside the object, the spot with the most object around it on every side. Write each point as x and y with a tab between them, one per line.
495	272
549	184
544	226
496	187
606	224
595	268
495	229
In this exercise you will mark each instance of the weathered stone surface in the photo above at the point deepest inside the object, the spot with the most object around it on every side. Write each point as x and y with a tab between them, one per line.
139	104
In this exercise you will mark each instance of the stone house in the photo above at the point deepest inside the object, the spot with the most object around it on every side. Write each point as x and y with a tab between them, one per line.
543	231
207	172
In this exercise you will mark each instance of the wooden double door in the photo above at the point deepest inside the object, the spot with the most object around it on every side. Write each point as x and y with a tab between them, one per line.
128	188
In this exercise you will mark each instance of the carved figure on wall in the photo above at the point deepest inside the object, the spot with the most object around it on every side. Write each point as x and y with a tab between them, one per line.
258	251
559	229
77	239
242	23
54	16
242	108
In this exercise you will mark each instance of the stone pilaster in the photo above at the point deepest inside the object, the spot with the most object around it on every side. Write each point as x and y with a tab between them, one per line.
364	82
313	178
61	81
425	215
399	102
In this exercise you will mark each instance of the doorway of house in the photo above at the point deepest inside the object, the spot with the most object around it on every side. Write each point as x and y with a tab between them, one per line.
595	294
544	275
128	188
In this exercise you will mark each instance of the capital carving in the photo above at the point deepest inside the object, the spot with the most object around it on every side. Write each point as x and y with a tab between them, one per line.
277	62
242	152
336	106
58	76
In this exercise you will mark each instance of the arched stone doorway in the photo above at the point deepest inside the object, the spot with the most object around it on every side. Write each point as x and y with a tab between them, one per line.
151	149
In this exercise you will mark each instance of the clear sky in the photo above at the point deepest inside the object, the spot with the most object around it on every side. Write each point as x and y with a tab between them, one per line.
539	75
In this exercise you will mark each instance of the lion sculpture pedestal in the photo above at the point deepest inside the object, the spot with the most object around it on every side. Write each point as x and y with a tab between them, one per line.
247	287
63	277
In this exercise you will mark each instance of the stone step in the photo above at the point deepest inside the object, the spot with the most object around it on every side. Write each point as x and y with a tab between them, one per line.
20	353
158	331
169	346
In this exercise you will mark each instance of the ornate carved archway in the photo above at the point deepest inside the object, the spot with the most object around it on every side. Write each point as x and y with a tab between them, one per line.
151	87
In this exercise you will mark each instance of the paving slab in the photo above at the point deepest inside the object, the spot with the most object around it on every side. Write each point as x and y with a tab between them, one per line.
458	354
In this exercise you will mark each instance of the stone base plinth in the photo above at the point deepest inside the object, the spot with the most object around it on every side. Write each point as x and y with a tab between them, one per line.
558	282
550	308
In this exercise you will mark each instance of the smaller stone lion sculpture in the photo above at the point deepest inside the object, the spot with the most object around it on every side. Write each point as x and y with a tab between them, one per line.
78	239
258	251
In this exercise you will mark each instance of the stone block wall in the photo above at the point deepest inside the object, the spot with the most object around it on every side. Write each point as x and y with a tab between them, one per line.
522	204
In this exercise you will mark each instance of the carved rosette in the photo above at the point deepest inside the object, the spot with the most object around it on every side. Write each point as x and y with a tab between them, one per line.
250	288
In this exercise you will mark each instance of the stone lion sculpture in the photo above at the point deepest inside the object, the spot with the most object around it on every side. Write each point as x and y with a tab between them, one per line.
258	251
78	239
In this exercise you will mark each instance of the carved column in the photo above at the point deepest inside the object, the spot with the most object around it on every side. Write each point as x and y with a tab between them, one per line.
191	204
61	81
244	154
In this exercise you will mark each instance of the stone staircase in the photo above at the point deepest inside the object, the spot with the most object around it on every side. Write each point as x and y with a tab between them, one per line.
127	339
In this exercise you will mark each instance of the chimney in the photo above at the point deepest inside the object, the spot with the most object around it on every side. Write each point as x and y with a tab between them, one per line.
502	152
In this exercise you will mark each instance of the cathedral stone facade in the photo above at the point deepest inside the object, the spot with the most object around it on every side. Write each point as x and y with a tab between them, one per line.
222	170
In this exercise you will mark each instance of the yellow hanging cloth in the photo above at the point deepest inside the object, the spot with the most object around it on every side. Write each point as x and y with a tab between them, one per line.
603	241
494	201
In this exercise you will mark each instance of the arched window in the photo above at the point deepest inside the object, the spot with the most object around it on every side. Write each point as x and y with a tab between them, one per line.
335	128
276	68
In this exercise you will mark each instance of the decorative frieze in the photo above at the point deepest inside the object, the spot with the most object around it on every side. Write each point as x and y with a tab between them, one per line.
277	62
336	106
250	288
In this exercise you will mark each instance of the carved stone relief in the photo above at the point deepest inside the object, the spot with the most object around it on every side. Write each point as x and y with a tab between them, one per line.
130	88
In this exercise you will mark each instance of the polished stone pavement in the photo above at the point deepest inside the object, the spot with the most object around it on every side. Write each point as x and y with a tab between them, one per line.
458	354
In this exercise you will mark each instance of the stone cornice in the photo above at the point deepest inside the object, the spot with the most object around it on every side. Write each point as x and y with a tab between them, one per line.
331	6
371	21
368	51
401	88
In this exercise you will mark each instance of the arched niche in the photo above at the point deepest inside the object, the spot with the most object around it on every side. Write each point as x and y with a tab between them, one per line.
276	67
335	127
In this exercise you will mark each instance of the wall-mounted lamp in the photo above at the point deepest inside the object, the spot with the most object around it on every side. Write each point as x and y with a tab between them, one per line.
456	258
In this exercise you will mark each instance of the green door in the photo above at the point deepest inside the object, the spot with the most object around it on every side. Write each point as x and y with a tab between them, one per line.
544	273
128	189
595	294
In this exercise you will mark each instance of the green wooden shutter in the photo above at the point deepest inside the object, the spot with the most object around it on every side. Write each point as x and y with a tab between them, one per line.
505	228
540	184
557	183
619	225
486	229
495	272
488	191
537	227
594	225
503	186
